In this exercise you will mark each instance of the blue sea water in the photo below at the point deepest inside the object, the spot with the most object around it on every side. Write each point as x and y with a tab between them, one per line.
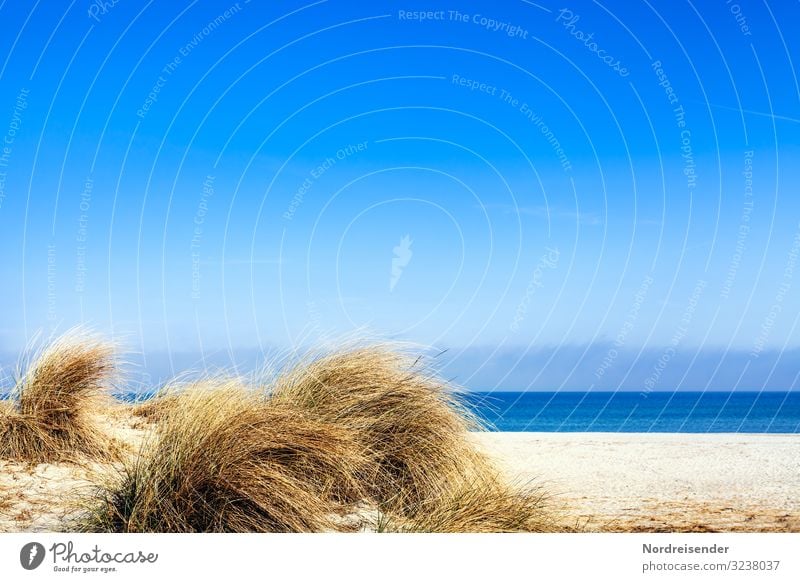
689	412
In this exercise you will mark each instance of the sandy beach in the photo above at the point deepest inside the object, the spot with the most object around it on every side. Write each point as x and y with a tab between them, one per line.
661	482
598	481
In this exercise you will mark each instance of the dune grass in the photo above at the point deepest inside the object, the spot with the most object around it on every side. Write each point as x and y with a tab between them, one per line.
158	405
484	506
414	426
359	432
52	414
222	460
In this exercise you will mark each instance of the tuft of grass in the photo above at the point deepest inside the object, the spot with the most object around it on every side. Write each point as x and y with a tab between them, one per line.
157	406
55	401
487	506
414	426
221	459
335	438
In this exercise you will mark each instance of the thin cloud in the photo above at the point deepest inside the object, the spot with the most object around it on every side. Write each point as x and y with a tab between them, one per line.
759	113
554	213
235	262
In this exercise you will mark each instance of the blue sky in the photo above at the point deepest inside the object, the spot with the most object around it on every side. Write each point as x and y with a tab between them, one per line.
560	197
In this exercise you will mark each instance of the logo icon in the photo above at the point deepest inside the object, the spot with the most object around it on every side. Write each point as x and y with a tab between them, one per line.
31	555
402	256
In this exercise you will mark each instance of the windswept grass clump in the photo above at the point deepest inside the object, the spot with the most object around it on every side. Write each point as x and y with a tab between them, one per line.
333	440
55	402
485	506
222	459
157	406
414	427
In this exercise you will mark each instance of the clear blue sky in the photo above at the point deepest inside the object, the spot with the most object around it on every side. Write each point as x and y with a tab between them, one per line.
559	198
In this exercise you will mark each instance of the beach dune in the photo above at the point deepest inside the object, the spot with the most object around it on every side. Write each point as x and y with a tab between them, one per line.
623	482
360	439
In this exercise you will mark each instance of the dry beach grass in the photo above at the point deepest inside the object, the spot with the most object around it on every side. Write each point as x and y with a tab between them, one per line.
412	426
53	414
222	459
326	446
365	438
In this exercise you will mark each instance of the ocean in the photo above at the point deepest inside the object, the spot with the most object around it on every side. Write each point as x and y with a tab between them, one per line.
688	412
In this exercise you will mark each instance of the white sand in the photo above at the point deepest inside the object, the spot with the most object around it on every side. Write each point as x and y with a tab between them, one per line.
661	482
44	496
